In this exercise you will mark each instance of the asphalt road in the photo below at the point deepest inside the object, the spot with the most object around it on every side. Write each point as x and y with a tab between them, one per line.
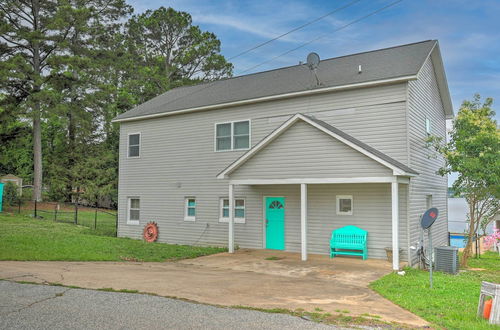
28	306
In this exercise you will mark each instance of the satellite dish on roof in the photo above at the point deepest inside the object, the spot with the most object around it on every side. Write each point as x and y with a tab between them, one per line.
312	63
312	60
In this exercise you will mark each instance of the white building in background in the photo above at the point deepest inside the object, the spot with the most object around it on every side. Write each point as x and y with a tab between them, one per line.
457	217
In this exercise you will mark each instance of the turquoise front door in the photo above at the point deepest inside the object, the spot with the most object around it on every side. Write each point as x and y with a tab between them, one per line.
275	223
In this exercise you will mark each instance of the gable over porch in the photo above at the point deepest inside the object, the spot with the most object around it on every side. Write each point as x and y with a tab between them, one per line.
305	151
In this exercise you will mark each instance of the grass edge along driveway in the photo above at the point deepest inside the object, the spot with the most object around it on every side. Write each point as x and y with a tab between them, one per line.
452	302
23	238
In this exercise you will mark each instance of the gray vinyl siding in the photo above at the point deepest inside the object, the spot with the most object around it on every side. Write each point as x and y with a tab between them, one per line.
178	160
424	102
303	151
371	211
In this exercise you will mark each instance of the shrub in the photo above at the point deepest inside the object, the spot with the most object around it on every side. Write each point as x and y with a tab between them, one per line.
10	193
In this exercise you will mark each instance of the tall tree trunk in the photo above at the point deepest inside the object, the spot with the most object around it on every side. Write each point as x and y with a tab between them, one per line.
71	150
467	253
37	154
37	126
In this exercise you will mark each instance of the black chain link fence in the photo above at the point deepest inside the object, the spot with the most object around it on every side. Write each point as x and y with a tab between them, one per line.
100	221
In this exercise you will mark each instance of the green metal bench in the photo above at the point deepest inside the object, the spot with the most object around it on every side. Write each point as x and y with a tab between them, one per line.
349	238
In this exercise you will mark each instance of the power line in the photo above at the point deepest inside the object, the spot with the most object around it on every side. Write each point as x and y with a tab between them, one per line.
320	37
212	83
294	29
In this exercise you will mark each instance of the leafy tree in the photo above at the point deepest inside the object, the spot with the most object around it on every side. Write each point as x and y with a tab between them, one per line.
474	153
172	52
78	113
37	39
30	32
68	67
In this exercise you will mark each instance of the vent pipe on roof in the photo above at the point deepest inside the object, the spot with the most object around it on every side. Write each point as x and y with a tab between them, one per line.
359	69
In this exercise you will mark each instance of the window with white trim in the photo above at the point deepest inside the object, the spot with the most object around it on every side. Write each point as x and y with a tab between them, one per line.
239	210
190	209
344	204
133	210
134	145
232	135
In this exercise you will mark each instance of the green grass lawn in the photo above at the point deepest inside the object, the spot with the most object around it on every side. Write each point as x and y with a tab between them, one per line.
104	225
452	302
25	238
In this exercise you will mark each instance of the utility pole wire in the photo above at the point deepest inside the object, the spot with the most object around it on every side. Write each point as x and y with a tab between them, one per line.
212	83
294	29
321	37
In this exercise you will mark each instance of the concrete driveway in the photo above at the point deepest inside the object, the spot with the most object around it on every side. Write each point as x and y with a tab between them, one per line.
246	278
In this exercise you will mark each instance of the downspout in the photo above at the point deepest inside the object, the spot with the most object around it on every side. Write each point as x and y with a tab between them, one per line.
408	189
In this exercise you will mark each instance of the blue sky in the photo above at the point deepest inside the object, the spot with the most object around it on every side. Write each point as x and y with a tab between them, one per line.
468	33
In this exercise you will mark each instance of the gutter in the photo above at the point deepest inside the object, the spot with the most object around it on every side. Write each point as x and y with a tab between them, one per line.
270	98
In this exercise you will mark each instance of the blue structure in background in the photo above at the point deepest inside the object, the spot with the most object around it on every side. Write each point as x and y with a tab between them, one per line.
1	195
458	241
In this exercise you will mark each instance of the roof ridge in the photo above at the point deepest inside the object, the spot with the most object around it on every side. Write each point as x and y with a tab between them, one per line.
335	71
298	65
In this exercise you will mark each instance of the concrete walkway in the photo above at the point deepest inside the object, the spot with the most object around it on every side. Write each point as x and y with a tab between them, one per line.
245	278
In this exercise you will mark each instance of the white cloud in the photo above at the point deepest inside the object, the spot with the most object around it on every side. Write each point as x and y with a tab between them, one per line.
240	23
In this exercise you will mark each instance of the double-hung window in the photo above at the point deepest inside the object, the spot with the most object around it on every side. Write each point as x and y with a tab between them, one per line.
133	210
239	210
190	209
134	145
344	204
232	136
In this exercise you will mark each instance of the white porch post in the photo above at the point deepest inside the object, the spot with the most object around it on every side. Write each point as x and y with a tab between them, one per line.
303	220
230	244
395	225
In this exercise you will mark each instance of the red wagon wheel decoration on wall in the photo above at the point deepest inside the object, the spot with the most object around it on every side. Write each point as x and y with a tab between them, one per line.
150	233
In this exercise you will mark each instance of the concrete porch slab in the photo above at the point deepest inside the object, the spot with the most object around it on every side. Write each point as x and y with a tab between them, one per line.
245	278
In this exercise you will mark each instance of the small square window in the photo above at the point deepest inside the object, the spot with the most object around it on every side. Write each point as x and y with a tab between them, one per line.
190	209
239	210
134	210
134	145
344	205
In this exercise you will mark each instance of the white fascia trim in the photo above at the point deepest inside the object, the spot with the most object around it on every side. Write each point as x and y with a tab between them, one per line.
291	121
272	97
388	179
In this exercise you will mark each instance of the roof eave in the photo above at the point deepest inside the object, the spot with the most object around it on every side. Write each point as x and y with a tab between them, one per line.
394	80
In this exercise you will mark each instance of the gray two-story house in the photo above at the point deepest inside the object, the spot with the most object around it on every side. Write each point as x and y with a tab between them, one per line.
279	159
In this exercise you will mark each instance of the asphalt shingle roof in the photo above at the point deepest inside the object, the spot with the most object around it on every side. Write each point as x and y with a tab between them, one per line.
394	62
